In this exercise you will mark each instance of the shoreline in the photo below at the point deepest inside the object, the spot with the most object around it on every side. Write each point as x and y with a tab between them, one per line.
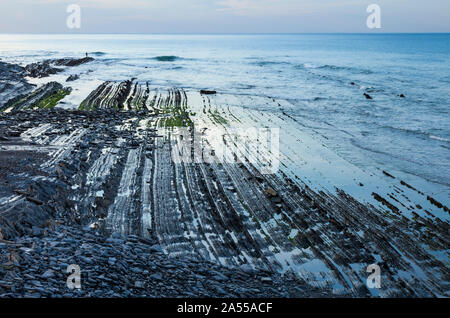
111	165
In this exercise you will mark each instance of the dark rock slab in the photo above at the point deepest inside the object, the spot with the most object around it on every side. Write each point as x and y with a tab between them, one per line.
53	66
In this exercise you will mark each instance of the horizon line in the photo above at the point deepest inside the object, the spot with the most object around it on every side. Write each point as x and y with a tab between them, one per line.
211	33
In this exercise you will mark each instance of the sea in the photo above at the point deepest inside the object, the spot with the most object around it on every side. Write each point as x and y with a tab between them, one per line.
403	129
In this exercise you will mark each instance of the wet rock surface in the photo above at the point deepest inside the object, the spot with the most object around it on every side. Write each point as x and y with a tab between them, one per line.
100	187
207	92
13	85
72	78
16	93
34	99
53	66
115	266
111	170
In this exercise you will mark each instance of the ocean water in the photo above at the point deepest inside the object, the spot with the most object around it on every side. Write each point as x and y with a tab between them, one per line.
408	136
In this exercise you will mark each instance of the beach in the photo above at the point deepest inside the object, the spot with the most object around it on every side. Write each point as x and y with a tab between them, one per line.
210	177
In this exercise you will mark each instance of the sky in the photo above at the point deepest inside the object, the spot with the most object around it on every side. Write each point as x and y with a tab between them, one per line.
223	16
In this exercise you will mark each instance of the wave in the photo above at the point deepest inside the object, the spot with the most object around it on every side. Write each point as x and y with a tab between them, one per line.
98	53
31	55
244	86
417	132
309	65
371	89
165	67
312	66
439	138
166	58
334	68
265	63
315	66
391	154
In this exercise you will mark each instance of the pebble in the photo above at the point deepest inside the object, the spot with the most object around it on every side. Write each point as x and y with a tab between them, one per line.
48	274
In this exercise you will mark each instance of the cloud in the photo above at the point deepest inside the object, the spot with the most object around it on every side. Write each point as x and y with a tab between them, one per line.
279	7
105	4
224	15
261	7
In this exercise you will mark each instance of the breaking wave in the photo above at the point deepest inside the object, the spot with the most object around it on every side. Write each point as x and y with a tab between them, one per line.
439	138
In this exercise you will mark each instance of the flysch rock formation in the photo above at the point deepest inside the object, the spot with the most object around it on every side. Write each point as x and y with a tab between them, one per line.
13	85
120	165
53	66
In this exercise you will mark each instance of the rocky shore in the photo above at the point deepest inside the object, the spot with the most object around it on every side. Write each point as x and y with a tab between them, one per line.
36	266
13	84
41	231
53	66
16	93
102	187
